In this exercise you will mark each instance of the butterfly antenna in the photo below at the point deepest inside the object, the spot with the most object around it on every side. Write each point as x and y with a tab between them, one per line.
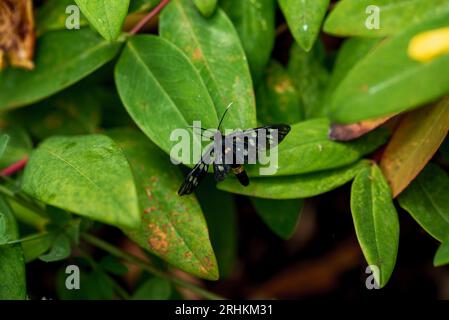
208	130
223	116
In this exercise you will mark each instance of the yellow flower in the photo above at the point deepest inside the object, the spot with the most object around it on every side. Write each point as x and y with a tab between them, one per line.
429	45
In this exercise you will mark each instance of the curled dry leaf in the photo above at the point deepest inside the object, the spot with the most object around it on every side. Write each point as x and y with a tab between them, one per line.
17	35
347	132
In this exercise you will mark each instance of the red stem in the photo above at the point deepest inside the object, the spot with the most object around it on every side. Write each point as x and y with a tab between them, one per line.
149	16
19	165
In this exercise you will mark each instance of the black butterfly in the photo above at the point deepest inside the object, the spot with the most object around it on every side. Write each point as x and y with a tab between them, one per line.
229	153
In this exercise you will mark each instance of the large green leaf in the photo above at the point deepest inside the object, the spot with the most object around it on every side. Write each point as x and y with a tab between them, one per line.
172	227
281	216
304	19
387	81
220	212
376	221
53	15
310	78
255	24
88	175
206	7
62	58
294	187
12	263
350	18
151	79
19	145
277	99
307	148
106	17
426	201
213	46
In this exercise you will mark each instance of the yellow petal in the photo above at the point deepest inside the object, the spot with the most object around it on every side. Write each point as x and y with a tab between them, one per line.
429	45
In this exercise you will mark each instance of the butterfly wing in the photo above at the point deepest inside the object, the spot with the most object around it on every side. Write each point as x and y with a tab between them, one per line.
197	174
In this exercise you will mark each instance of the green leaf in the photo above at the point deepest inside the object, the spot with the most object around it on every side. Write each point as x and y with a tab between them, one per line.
4	139
12	264
255	24
214	48
53	15
220	212
277	99
307	148
426	201
310	77
153	289
387	81
106	17
172	227
87	175
442	255
19	145
151	79
281	216
350	18
294	187
76	110
113	265
62	58
59	250
206	7
376	221
350	53
35	248
304	19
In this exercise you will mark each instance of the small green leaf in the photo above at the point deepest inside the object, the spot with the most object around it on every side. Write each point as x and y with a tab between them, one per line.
281	216
304	19
12	264
214	48
277	99
426	201
310	77
294	187
106	17
387	81
206	7
71	172
54	14
376	221
220	213
151	79
442	255
62	58
172	227
35	248
59	250
19	145
357	18
255	24
4	139
153	289
113	265
307	148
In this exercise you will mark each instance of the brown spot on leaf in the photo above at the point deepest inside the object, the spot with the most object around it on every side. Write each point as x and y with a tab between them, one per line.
282	86
158	240
197	54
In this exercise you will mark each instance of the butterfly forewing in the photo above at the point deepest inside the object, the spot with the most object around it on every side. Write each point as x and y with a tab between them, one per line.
197	174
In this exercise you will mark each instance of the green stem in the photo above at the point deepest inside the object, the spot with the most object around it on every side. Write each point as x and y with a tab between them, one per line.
147	267
28	238
20	200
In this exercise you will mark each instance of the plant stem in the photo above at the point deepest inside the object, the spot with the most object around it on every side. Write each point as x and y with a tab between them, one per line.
148	267
23	202
148	17
17	166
